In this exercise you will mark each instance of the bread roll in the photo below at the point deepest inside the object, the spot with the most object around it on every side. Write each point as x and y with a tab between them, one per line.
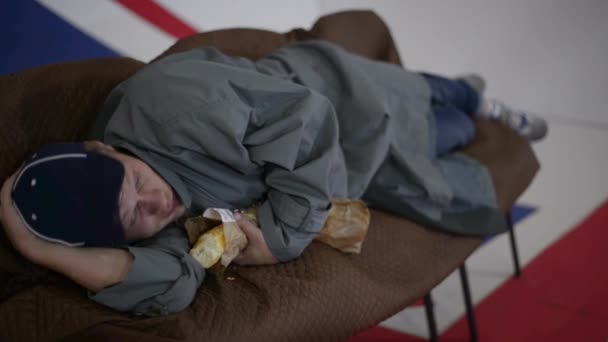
210	246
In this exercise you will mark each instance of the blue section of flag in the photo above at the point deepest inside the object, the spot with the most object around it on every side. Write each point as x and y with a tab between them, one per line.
520	212
31	35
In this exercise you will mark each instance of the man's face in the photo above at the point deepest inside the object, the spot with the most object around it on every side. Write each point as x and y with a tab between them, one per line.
147	203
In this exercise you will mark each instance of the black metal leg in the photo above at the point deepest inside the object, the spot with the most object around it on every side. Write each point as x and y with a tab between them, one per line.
430	318
466	291
514	252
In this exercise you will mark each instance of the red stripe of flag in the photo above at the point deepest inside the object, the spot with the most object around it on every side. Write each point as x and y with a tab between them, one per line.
158	16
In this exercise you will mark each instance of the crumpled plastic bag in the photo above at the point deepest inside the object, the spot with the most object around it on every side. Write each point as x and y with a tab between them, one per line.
235	239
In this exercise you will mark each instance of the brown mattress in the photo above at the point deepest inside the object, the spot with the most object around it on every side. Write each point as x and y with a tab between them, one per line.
323	296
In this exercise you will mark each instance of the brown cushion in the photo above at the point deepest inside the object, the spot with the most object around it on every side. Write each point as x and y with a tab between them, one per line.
324	295
53	103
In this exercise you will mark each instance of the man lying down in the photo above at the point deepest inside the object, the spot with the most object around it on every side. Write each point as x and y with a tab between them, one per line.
287	133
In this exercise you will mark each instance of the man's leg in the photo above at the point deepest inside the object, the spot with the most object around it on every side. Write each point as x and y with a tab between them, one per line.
454	128
454	102
466	94
456	93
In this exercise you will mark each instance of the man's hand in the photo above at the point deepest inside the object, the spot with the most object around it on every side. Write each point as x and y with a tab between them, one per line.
256	252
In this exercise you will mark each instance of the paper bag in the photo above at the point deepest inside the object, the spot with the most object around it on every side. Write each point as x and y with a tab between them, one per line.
346	225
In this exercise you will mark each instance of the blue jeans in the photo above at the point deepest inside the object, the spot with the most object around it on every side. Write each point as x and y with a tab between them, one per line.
453	103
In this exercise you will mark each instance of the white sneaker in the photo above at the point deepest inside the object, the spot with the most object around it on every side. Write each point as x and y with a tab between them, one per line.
475	81
530	126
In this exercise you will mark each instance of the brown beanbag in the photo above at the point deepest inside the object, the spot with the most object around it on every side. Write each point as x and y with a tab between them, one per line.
324	295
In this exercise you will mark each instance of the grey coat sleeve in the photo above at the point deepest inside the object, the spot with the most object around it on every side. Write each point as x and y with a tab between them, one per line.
163	278
298	144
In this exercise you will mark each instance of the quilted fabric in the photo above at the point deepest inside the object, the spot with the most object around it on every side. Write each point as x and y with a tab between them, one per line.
323	296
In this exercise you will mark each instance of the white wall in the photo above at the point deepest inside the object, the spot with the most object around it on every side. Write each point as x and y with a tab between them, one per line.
546	56
276	15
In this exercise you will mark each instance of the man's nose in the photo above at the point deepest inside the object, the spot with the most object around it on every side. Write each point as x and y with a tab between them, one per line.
151	201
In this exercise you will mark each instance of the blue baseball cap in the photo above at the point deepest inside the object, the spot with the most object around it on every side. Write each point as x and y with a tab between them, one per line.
66	194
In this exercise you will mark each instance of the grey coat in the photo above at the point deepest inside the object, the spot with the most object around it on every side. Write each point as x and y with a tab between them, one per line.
288	132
